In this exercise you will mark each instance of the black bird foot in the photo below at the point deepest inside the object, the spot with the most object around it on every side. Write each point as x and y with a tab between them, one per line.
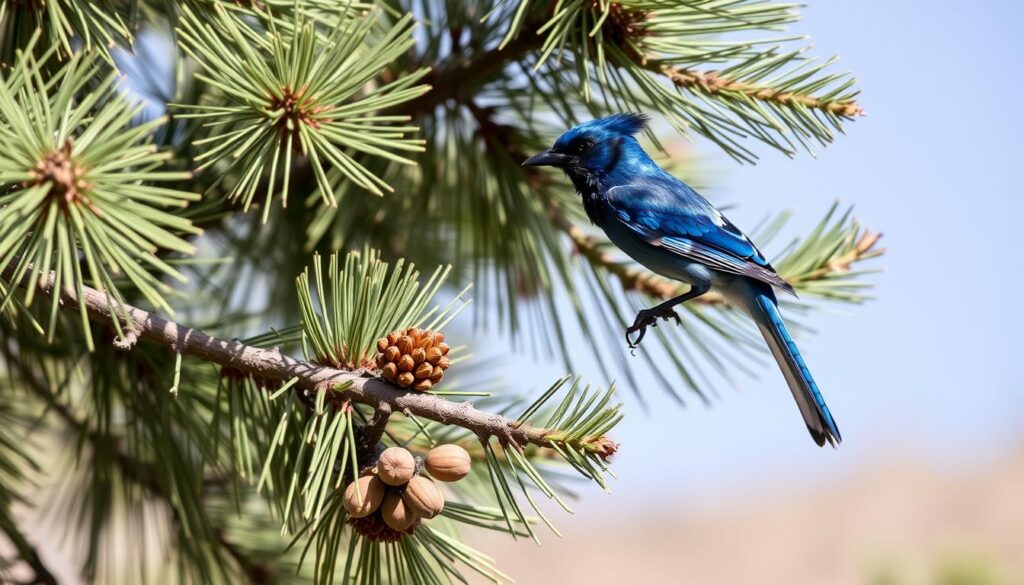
649	318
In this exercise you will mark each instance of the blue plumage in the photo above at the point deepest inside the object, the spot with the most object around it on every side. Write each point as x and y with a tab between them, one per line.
667	226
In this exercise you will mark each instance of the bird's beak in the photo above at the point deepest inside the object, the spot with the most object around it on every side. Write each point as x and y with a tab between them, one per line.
546	159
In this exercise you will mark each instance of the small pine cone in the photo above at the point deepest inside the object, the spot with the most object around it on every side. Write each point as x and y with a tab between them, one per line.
413	358
373	528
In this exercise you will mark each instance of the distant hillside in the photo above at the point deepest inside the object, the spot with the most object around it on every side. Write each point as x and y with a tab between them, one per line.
895	523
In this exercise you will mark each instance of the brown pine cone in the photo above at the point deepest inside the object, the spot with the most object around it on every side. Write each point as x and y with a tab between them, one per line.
413	358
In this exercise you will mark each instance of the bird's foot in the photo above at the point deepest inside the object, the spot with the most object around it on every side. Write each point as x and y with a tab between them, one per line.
649	318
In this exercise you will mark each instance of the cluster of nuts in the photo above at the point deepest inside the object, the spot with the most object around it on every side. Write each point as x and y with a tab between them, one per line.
393	497
413	358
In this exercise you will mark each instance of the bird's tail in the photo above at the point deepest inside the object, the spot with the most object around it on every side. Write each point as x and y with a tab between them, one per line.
765	311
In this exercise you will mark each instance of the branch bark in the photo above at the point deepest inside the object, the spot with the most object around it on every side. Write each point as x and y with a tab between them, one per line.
271	364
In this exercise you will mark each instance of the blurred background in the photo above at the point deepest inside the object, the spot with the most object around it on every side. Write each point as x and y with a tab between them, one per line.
925	382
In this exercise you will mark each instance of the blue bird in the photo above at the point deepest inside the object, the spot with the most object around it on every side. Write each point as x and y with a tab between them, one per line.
664	224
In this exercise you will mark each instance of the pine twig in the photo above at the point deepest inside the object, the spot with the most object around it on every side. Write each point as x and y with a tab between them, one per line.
714	83
458	77
273	365
373	430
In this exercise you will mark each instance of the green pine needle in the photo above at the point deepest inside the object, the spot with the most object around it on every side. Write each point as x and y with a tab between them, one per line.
284	93
364	301
75	192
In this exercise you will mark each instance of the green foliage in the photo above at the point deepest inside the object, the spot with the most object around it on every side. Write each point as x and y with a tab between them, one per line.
761	88
96	24
363	302
287	91
76	180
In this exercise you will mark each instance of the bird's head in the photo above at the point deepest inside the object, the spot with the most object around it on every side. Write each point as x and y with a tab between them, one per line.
594	148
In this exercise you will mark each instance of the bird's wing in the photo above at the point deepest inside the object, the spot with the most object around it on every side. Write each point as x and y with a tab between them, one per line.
671	215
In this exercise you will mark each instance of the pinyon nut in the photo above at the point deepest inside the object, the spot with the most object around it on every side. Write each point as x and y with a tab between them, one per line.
405	344
371	493
434	354
418	356
395	466
424	497
448	463
423	371
395	513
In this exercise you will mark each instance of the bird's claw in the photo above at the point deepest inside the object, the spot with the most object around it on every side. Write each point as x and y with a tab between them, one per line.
648	318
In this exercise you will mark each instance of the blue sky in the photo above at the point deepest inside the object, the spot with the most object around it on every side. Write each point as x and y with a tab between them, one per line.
933	367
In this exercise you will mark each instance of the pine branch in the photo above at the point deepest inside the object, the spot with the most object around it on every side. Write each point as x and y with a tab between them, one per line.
457	78
714	82
633	278
271	364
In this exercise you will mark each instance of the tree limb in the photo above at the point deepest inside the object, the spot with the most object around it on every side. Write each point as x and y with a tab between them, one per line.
271	364
459	77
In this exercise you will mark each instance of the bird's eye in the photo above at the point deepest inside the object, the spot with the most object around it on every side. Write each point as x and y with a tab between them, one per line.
583	147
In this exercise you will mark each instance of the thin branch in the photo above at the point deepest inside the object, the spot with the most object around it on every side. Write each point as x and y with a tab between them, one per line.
627	27
271	364
372	432
713	82
459	77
